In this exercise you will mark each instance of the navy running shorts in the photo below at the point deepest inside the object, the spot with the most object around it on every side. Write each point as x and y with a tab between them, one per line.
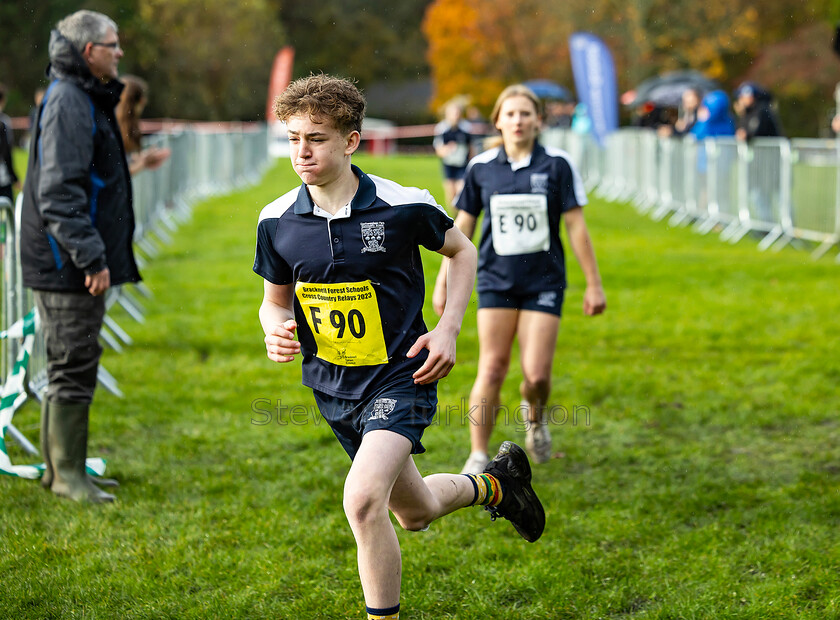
550	301
454	173
401	407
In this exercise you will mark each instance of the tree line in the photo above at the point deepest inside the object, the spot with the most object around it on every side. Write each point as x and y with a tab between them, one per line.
211	60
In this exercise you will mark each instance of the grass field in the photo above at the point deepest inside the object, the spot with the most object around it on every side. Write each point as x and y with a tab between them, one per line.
701	478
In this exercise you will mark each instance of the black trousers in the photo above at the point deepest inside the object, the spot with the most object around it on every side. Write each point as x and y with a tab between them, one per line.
71	322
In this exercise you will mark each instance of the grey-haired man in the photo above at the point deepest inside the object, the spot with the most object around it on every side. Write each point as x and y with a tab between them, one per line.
76	234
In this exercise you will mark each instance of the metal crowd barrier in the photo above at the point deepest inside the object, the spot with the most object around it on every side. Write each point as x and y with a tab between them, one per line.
774	188
202	163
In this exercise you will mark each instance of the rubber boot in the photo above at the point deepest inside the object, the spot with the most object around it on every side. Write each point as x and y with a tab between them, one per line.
47	477
68	435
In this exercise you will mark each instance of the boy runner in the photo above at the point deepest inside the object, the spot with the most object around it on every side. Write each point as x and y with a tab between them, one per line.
341	263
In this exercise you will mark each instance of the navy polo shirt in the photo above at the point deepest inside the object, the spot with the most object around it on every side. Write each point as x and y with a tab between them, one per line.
520	251
460	134
359	285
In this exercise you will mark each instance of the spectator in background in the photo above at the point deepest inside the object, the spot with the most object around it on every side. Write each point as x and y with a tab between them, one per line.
756	116
76	236
452	143
8	178
647	114
835	124
686	115
756	119
559	114
581	122
713	120
129	110
713	117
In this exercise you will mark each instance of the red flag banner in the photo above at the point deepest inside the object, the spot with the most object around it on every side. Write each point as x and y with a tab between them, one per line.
281	76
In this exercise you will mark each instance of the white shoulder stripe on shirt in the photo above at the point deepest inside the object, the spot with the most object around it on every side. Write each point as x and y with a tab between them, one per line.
577	181
485	156
395	194
278	207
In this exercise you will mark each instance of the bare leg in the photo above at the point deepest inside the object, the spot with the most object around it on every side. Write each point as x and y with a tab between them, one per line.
417	501
537	343
451	187
537	339
367	490
496	330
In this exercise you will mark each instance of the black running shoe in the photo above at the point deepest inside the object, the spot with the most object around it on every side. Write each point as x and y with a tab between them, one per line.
519	504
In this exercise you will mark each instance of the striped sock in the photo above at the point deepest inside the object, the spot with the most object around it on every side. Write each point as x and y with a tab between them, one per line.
488	489
390	613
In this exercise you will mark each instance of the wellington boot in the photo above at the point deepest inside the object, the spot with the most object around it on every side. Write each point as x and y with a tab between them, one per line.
68	435
47	477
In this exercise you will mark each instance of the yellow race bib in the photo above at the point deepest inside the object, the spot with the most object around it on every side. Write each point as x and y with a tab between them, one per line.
344	319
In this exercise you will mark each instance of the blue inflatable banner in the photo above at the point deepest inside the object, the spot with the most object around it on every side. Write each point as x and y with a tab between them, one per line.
594	72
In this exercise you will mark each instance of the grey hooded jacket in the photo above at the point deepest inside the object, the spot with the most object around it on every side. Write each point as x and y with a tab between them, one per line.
77	214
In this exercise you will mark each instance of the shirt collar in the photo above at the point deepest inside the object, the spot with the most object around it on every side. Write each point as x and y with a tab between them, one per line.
342	213
364	198
533	158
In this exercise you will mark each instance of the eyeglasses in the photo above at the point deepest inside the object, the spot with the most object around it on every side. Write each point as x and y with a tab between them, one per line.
114	45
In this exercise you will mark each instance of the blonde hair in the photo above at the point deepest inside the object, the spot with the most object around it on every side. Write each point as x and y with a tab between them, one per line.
458	101
514	90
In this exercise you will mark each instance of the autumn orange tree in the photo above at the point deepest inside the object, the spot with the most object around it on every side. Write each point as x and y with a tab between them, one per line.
477	48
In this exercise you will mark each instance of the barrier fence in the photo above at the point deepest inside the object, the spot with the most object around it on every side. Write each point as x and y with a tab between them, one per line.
204	161
777	189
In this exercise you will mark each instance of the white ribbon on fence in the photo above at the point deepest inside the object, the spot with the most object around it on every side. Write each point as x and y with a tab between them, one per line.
13	395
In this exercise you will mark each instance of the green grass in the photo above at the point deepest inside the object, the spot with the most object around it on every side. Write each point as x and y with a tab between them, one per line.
705	484
19	161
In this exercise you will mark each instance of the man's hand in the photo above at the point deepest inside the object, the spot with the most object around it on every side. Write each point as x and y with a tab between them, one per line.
441	358
98	283
280	344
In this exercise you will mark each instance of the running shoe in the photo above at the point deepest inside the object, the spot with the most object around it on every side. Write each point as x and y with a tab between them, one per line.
538	442
519	504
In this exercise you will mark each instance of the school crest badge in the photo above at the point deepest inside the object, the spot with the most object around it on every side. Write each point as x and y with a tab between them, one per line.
539	183
381	408
373	234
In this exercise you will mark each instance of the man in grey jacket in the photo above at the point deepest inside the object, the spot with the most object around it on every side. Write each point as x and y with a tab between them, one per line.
76	235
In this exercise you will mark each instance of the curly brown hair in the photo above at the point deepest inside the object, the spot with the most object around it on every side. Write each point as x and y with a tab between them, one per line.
324	97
